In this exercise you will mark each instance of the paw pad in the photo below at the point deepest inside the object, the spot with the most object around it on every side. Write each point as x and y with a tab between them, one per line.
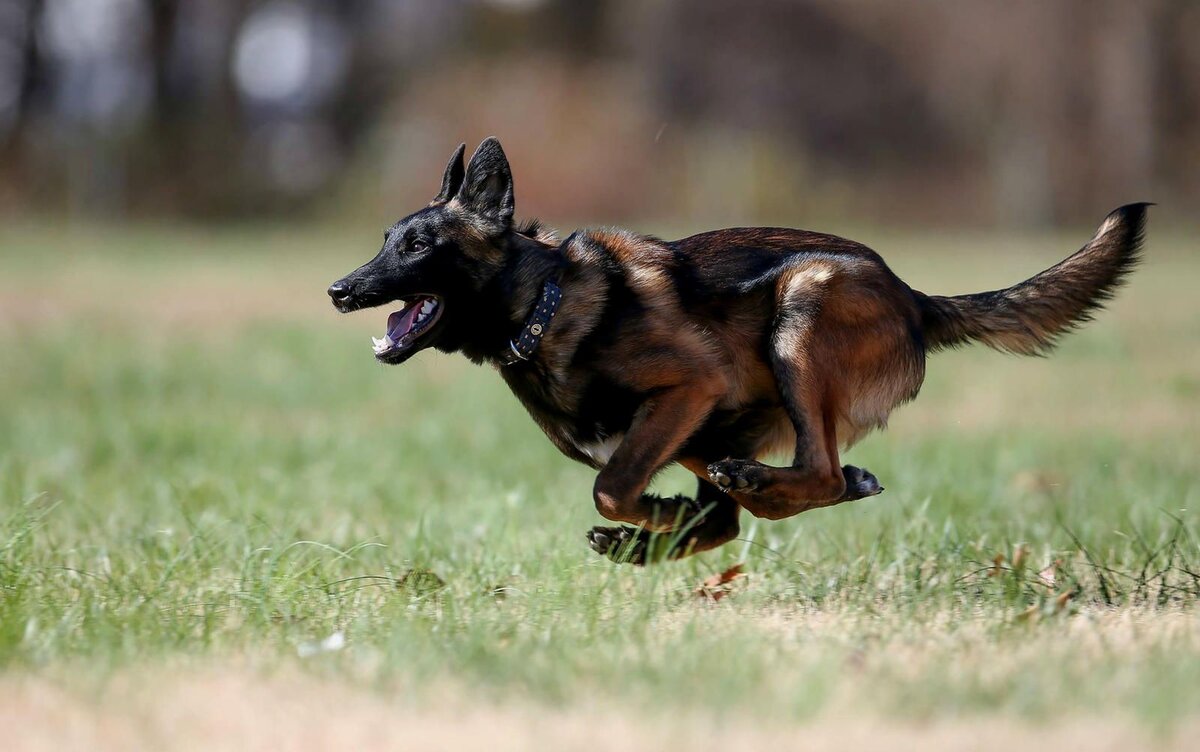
860	483
743	476
621	544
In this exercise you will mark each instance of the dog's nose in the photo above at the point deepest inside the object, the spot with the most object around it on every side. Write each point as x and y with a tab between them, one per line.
340	291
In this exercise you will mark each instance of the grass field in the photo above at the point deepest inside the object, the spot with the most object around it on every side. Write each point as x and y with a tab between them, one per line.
222	524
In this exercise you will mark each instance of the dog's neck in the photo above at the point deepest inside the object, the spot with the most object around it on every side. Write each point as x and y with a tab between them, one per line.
531	263
506	302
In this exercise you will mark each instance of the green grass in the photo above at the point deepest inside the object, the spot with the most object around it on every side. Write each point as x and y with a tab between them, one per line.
201	464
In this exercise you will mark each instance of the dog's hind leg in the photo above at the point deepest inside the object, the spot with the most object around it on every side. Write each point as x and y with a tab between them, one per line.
704	523
802	366
774	493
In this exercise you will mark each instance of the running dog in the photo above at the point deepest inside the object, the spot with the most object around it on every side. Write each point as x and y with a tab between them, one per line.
632	353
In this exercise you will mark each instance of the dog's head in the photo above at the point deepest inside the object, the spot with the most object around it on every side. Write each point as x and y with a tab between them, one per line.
437	261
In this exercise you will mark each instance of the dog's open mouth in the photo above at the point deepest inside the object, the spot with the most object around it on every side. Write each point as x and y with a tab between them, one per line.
407	325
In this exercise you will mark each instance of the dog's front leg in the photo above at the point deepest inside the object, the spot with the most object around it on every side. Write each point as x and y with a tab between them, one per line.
660	427
704	523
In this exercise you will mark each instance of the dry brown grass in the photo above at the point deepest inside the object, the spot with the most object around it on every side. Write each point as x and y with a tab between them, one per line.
246	705
230	709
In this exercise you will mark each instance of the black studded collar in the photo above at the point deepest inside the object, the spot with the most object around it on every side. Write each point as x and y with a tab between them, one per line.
526	343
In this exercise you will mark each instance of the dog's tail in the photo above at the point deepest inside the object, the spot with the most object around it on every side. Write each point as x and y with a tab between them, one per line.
1029	317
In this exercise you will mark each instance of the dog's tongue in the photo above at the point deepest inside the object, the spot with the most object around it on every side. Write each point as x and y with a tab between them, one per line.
400	323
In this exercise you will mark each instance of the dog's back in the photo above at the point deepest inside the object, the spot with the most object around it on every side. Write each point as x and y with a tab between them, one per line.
781	309
742	302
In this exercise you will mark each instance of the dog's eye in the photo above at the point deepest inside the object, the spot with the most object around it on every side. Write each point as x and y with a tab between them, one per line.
418	246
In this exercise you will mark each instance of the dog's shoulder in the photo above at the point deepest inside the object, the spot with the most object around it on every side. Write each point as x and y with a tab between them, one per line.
639	266
616	250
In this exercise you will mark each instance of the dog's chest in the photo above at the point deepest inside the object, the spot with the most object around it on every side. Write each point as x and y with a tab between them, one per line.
585	415
601	451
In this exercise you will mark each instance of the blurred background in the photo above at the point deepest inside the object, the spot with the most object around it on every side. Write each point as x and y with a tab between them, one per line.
706	111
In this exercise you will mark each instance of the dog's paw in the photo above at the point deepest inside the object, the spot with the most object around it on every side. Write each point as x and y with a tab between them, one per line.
742	476
625	545
860	483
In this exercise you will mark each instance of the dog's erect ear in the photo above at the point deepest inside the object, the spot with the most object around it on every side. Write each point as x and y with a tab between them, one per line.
453	179
488	188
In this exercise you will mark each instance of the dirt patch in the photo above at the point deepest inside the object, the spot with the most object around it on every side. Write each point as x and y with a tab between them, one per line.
244	710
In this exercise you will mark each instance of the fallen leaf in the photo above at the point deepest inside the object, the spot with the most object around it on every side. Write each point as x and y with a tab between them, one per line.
1030	614
1018	558
719	585
729	575
997	566
1049	575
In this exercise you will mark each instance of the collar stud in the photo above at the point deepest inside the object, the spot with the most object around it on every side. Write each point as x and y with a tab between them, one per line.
524	345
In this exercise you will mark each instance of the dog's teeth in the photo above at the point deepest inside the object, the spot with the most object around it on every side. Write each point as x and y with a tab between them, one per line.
388	341
376	342
427	307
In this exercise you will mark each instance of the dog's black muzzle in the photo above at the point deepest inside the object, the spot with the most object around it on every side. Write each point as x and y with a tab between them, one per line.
342	295
350	294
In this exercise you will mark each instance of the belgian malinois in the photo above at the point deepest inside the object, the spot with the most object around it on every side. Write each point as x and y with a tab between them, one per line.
632	353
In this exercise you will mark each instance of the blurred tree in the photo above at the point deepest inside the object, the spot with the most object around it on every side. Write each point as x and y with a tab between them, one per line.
941	110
